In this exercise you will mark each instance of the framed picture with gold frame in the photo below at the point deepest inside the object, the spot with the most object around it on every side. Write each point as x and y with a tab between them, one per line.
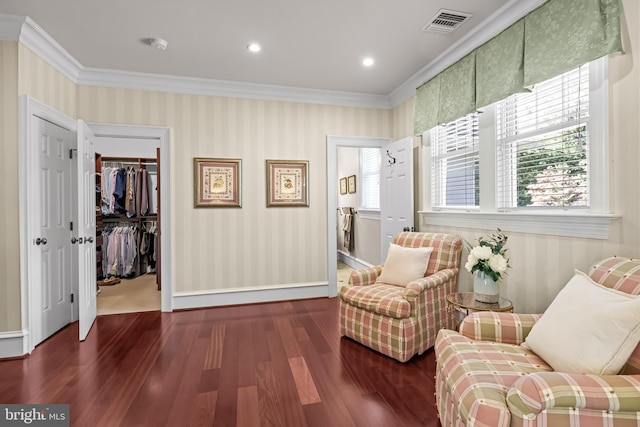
343	185
287	183
217	183
351	183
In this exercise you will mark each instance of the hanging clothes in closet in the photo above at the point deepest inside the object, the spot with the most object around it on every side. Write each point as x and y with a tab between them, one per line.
120	250
125	190
149	244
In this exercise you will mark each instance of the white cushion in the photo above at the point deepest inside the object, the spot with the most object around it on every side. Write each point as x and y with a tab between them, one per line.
587	329
404	265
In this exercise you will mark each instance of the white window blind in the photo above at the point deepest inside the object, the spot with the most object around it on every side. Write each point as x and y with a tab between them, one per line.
370	178
542	145
455	163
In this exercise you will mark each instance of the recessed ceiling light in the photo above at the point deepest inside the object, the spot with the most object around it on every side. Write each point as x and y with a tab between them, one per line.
254	47
367	62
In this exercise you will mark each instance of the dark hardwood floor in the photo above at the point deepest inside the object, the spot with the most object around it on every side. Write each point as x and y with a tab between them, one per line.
275	364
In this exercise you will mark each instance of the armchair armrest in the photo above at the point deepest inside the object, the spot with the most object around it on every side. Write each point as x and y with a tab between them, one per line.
536	392
416	287
365	276
508	328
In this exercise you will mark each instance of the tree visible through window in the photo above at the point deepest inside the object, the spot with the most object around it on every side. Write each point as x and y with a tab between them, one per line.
543	144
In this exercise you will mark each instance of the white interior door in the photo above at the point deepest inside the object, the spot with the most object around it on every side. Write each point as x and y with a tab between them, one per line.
396	191
51	234
86	229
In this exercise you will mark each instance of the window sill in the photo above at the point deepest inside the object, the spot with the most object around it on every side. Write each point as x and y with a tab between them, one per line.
590	226
369	213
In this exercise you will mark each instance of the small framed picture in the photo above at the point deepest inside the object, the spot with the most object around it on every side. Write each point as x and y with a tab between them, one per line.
217	183
351	183
287	183
343	185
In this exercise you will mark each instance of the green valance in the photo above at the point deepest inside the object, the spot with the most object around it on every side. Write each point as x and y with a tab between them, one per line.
500	66
458	89
426	105
558	36
562	35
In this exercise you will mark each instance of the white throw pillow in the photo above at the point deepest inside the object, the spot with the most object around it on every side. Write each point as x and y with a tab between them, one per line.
587	329
404	265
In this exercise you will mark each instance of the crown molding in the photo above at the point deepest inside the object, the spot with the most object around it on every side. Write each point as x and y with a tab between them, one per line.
31	35
226	88
500	20
42	44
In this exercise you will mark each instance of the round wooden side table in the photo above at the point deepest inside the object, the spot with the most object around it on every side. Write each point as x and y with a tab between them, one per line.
465	303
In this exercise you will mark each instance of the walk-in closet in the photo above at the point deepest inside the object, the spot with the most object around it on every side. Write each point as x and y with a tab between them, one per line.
127	226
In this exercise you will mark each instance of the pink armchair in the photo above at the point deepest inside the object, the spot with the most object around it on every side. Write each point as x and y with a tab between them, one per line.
403	321
484	377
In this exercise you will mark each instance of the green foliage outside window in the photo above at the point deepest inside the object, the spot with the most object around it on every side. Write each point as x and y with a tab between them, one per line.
554	174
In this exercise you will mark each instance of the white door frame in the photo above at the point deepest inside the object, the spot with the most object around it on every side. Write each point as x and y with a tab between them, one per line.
163	134
333	142
28	171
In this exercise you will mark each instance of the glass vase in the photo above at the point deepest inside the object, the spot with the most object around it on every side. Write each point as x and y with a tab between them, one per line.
485	288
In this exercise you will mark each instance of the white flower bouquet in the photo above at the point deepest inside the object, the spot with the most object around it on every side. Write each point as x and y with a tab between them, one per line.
489	256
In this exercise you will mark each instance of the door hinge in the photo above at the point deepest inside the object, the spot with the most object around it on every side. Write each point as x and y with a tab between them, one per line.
71	298
71	226
71	153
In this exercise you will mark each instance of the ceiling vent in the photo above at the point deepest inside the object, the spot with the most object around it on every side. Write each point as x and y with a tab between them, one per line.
446	21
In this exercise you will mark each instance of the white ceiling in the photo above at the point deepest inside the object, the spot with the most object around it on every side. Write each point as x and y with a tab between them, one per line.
306	43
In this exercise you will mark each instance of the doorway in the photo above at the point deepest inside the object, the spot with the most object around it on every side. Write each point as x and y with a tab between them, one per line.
32	272
141	286
333	142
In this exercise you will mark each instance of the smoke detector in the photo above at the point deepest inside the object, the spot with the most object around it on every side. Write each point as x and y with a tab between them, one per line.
158	43
446	21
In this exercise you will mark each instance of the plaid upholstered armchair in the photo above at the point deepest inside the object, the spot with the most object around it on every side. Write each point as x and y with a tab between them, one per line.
402	319
488	374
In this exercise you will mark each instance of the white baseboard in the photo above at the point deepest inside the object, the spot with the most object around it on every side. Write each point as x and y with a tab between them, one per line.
352	261
186	300
13	344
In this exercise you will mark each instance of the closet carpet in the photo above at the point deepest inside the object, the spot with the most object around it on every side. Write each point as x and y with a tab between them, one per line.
130	295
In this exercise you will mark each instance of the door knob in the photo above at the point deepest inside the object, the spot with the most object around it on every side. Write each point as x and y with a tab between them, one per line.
88	239
41	241
73	240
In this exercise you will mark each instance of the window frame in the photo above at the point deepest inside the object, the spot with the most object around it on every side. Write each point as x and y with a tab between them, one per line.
594	222
469	152
367	211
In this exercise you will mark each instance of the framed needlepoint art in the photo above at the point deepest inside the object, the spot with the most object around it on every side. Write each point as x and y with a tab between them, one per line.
351	183
217	183
343	185
287	183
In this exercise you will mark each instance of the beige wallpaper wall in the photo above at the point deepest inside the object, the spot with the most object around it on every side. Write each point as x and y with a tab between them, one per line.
403	119
41	81
9	235
254	245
